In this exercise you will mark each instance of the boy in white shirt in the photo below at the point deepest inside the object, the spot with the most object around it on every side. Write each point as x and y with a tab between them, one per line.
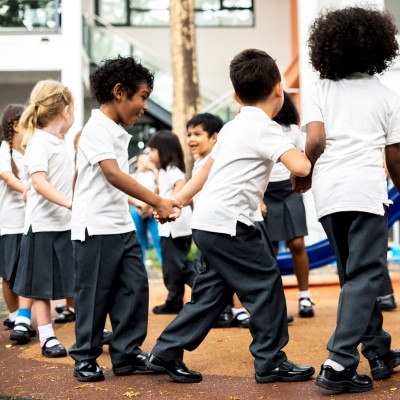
351	119
109	273
235	178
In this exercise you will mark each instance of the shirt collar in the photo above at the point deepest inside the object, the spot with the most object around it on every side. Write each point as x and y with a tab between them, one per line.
254	111
48	136
116	129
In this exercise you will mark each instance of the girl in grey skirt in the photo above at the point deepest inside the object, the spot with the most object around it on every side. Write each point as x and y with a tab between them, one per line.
44	270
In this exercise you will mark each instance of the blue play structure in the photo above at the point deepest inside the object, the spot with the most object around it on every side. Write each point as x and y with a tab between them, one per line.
321	253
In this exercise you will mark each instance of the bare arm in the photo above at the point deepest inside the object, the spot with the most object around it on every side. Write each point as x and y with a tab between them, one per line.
11	180
128	185
393	163
296	162
48	191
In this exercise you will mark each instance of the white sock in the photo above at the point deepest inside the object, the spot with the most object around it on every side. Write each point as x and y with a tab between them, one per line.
242	311
388	296
21	320
304	293
46	331
335	365
72	309
12	316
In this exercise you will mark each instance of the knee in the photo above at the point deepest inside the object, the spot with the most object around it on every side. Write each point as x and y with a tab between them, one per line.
296	246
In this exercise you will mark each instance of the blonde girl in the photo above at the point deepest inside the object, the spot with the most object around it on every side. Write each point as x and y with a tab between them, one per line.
44	270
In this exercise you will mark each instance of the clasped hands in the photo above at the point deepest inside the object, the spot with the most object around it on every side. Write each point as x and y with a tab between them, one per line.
167	210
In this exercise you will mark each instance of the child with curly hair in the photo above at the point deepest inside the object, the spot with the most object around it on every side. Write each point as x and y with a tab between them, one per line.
351	119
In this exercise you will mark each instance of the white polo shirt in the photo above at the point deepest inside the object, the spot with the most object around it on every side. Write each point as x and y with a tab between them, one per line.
197	166
47	153
12	207
361	116
98	206
244	154
166	183
296	136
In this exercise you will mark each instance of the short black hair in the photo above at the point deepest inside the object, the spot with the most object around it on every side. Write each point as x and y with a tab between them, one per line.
124	70
288	114
210	123
169	149
350	40
254	74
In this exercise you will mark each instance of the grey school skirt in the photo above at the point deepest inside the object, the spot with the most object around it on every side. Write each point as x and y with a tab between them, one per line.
9	254
45	268
286	216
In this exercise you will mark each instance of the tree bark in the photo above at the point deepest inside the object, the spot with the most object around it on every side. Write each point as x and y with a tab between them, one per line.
184	71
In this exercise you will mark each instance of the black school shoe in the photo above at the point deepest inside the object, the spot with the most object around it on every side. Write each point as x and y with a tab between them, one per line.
8	323
224	320
176	370
60	308
387	304
64	317
135	364
168	308
88	371
23	337
306	308
58	350
343	381
106	337
240	323
285	372
382	366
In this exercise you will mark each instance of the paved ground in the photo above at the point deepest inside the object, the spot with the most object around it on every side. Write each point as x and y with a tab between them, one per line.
223	358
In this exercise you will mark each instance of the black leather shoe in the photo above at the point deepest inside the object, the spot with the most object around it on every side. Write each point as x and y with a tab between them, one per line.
88	371
388	304
58	350
290	319
135	364
60	308
105	337
23	336
306	308
224	320
241	323
382	366
168	308
66	316
176	370
285	372
9	324
343	381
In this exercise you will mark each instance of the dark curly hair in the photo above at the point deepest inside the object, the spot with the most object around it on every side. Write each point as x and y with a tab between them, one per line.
169	149
124	70
288	114
352	39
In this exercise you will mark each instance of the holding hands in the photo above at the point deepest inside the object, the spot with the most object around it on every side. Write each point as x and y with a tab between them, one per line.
167	210
301	184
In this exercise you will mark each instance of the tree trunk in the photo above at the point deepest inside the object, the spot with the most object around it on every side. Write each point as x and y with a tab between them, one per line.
184	71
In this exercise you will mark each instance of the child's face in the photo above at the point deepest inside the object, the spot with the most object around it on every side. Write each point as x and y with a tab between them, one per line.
154	157
199	142
130	109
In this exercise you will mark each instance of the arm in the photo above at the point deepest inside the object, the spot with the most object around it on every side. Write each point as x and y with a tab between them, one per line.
296	162
315	146
14	182
48	191
393	163
128	185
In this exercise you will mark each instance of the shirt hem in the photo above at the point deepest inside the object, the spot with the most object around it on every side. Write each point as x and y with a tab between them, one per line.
349	209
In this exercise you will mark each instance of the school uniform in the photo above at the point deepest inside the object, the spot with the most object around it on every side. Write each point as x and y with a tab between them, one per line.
351	199
223	229
45	265
110	277
286	217
12	214
175	241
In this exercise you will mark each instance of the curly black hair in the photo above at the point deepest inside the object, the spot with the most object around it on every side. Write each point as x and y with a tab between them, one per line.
352	39
288	114
124	70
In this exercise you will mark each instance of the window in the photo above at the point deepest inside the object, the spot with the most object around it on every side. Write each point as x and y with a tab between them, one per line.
155	13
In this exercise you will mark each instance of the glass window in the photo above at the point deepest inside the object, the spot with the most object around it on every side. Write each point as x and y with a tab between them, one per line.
208	13
393	6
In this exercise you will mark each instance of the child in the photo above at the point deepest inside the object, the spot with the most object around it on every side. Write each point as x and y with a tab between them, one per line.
145	223
12	213
350	119
235	178
286	218
109	273
176	238
44	269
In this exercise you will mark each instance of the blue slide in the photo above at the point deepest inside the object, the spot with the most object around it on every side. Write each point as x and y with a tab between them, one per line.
321	253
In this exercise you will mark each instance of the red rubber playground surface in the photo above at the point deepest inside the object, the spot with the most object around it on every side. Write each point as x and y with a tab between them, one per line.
223	358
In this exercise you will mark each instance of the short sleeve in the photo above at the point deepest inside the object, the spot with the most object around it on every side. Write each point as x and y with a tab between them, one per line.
37	156
5	162
393	133
97	143
273	142
174	175
312	111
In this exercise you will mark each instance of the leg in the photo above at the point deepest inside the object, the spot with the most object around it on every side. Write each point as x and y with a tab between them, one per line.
386	294
23	330
152	226
10	297
140	230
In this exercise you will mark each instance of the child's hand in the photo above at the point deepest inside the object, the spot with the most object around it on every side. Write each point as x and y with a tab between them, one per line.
301	185
25	194
167	210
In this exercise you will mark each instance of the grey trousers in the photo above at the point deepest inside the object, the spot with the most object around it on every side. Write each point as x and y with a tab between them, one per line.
359	241
110	278
232	264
